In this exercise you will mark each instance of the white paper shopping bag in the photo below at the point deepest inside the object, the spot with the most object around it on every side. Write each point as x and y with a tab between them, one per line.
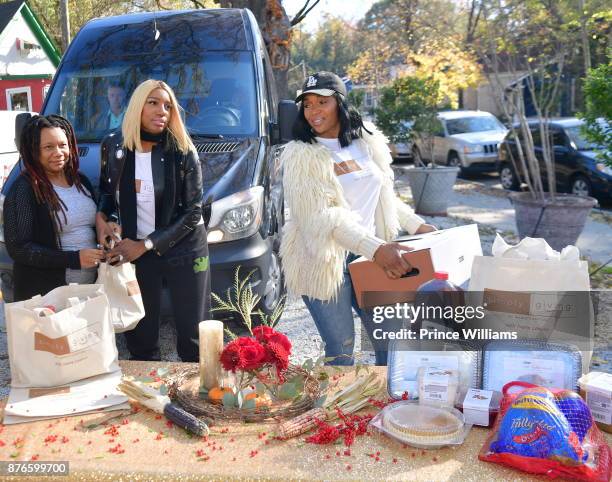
536	296
121	286
70	340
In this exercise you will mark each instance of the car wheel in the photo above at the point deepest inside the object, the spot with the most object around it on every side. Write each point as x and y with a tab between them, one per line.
580	186
508	178
454	161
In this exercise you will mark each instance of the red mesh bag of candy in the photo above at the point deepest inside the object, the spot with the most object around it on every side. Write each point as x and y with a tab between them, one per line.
549	432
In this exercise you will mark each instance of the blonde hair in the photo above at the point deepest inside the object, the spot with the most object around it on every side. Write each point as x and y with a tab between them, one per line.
130	127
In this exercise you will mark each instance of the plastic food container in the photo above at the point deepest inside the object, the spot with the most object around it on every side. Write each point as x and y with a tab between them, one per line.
550	365
438	387
406	357
596	389
480	407
422	426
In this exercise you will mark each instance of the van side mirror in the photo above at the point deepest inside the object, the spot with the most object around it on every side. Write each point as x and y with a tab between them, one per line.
20	121
287	113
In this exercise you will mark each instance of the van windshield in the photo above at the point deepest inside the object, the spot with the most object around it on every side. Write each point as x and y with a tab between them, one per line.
215	90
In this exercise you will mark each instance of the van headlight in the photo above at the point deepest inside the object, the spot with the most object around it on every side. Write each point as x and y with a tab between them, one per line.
473	149
2	198
237	216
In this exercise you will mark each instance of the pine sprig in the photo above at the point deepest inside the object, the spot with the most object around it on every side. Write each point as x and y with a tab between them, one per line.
240	299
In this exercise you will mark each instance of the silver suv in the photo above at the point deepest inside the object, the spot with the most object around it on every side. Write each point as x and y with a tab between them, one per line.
468	139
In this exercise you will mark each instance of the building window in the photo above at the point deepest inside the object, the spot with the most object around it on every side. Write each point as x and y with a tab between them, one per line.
19	98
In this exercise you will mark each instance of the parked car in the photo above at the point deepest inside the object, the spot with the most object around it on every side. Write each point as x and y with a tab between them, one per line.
467	139
217	64
577	169
8	150
401	151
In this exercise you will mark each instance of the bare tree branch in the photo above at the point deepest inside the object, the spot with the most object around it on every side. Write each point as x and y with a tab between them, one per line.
301	14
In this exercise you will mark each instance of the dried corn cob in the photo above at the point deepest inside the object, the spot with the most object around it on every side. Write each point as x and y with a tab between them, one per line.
349	399
153	399
300	424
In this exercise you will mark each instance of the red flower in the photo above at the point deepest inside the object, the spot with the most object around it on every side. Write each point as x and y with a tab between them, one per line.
260	332
265	335
279	357
243	354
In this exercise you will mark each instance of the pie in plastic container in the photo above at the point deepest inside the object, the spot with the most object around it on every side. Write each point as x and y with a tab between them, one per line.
422	426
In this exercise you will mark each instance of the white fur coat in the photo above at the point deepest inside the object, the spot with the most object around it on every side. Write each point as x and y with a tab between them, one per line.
321	228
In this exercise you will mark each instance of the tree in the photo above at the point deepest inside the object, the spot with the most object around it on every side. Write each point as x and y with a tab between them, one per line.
527	40
598	110
332	47
408	108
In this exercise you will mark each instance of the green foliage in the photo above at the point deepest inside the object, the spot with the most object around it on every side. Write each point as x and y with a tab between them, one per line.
409	99
598	110
356	98
241	300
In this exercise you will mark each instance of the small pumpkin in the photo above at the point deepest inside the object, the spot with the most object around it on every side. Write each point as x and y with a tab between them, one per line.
215	394
261	400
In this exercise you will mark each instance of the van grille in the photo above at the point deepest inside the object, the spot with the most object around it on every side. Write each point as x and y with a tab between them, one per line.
83	151
216	147
490	148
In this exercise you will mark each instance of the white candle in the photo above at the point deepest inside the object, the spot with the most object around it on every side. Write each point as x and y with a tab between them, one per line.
211	346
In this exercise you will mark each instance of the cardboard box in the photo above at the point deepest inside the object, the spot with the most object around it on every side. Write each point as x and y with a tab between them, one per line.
451	250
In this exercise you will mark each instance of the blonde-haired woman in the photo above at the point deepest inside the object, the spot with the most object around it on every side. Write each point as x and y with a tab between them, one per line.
151	194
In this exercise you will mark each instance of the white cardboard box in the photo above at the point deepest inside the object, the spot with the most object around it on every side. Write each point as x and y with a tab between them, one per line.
452	250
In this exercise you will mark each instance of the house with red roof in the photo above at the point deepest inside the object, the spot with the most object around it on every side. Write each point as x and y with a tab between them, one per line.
28	58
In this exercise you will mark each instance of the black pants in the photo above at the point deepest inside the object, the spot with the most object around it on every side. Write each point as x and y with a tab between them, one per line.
187	277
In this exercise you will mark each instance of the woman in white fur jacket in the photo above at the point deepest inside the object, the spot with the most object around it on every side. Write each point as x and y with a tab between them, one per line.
338	187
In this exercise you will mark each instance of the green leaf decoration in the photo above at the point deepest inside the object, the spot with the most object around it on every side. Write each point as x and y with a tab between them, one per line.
260	388
163	390
229	400
323	385
308	365
287	391
298	381
145	379
162	372
249	404
320	401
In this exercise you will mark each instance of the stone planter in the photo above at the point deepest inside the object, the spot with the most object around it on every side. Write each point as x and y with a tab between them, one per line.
559	223
431	188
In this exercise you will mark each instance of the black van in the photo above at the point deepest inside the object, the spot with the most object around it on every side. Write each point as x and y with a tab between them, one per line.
217	64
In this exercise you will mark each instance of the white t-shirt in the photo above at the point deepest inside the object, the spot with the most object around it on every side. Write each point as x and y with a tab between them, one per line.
361	179
145	195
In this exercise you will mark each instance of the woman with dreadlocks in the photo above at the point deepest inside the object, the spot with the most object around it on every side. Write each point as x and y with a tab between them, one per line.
50	211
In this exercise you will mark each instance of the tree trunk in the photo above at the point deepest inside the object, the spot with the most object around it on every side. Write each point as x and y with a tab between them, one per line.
276	29
64	23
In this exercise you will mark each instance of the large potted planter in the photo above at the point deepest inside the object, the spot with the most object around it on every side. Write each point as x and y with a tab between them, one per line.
431	188
408	110
558	220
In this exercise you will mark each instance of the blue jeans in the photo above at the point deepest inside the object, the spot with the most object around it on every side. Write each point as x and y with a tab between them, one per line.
334	320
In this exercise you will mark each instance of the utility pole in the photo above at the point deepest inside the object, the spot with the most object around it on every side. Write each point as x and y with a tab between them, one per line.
65	23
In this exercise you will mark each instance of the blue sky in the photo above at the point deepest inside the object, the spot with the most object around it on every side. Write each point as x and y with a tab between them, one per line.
357	10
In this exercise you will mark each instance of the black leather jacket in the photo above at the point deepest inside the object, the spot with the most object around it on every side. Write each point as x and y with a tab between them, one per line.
177	180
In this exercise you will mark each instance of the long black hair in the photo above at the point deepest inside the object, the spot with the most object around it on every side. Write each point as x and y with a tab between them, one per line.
351	124
29	150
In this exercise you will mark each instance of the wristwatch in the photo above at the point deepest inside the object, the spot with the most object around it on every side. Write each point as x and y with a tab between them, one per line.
148	244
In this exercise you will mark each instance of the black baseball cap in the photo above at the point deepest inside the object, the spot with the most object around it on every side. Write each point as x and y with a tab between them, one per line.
322	83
